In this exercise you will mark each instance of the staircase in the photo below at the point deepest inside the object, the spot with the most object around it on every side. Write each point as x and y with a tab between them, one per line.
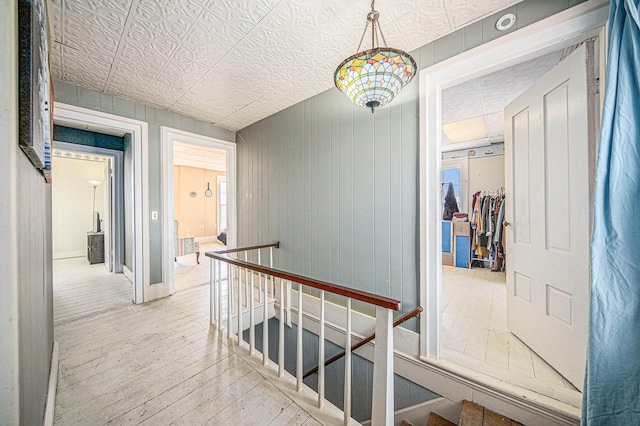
471	414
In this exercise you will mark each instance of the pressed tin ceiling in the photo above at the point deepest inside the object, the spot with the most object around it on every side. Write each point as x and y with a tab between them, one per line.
232	62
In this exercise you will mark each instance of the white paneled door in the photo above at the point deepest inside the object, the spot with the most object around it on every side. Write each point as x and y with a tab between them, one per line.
547	189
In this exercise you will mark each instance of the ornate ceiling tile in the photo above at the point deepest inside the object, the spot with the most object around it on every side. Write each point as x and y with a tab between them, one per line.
232	62
463	12
115	11
104	37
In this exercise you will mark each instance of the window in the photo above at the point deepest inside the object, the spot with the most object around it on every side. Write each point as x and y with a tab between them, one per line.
450	176
222	203
455	171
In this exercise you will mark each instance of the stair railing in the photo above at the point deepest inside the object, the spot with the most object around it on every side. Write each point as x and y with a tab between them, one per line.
244	272
400	320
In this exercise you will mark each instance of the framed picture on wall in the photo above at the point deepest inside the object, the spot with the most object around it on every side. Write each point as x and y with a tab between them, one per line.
34	84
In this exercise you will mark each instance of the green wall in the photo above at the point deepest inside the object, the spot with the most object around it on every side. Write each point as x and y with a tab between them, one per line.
338	185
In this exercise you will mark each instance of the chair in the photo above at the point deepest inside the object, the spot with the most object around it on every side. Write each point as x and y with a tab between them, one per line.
184	246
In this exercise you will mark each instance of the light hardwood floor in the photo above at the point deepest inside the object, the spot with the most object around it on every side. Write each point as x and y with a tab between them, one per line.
188	273
475	335
158	363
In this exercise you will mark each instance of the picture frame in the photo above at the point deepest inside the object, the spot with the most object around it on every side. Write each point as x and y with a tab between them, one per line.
35	91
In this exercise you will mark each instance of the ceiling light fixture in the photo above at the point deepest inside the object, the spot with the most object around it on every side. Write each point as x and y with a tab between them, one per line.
372	78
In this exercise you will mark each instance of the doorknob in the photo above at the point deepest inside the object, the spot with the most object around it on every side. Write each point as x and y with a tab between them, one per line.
505	223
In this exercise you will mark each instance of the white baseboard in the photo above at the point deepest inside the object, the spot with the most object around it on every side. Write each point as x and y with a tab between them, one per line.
127	273
68	254
50	407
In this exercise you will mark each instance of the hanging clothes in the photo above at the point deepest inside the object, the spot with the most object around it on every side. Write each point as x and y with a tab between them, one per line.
612	382
486	225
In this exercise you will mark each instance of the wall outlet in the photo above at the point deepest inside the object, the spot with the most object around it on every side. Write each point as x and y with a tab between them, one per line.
154	215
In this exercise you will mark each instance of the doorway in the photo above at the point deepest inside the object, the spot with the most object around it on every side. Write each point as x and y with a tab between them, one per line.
131	255
198	178
568	28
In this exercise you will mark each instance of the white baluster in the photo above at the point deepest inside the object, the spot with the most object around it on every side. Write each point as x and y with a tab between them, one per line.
259	278
240	307
212	291
218	279
265	327
382	402
321	353
273	281
347	367
281	332
289	303
299	342
246	282
230	304
252	319
220	292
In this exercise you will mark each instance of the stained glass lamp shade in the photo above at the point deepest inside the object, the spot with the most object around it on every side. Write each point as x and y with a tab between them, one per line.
372	78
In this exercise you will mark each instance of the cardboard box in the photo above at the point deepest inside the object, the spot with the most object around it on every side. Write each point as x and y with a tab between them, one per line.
461	228
447	259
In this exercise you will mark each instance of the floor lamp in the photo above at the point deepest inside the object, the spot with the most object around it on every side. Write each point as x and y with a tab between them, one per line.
94	184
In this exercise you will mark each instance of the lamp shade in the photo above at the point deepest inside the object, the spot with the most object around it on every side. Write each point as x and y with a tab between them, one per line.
372	78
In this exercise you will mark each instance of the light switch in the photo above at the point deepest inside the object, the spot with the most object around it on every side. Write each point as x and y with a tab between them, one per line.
154	215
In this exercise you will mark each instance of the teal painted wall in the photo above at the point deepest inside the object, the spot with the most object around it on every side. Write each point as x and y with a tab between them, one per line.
84	137
91	99
338	186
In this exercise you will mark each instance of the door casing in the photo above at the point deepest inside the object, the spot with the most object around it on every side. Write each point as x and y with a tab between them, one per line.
169	135
564	29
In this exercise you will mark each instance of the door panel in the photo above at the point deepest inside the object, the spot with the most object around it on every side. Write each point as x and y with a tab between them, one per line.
547	189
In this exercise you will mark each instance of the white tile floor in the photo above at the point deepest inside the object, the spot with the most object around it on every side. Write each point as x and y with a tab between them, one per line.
475	335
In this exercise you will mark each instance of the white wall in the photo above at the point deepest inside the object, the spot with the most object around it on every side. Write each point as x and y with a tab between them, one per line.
73	204
485	174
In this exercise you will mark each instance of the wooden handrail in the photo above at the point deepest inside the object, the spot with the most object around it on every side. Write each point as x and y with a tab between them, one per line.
363	296
275	244
397	322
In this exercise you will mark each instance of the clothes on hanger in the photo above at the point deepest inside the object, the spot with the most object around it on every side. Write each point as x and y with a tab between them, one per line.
487	235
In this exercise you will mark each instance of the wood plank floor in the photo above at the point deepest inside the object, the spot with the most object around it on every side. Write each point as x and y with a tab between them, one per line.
159	363
188	273
475	334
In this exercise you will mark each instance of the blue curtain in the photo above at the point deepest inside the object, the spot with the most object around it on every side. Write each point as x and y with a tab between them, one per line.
612	383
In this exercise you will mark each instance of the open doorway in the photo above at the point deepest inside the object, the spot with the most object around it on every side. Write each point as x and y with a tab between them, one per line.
125	248
198	204
474	329
534	161
199	210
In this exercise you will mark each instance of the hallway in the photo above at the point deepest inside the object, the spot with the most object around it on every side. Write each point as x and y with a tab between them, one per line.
157	363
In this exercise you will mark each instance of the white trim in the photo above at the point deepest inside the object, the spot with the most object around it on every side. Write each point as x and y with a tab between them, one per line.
50	407
69	254
140	139
168	136
117	197
558	31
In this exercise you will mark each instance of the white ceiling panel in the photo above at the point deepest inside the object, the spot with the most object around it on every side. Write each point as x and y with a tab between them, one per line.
185	154
462	102
232	62
488	95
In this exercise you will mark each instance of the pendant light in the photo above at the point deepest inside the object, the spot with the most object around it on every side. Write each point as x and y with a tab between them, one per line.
372	78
